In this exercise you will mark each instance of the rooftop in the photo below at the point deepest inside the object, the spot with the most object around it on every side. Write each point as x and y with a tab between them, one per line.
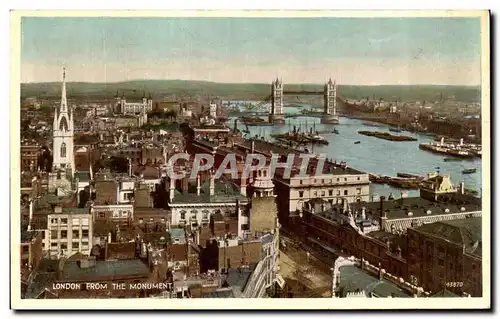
419	207
82	176
224	192
219	293
238	278
354	279
109	268
465	232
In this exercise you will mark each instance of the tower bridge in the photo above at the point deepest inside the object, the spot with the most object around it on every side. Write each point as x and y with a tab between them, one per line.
277	114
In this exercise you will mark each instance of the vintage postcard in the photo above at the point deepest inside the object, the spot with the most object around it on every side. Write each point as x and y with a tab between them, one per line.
203	155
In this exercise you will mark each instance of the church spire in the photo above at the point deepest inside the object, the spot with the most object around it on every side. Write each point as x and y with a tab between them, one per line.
64	102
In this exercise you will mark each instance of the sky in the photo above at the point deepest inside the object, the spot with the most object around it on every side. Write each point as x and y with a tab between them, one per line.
359	51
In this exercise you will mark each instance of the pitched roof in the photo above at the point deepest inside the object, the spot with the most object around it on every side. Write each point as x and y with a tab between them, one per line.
465	232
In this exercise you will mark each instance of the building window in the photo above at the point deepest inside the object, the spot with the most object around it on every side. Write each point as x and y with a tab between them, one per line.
315	194
64	220
322	193
330	192
345	192
53	220
345	179
64	234
338	192
64	246
322	181
53	245
102	214
301	182
85	233
358	178
301	194
358	191
63	149
440	262
53	234
183	215
76	233
75	245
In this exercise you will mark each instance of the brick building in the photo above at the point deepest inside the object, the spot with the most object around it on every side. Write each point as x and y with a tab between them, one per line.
447	255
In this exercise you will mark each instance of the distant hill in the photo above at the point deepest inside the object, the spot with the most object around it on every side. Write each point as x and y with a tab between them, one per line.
161	88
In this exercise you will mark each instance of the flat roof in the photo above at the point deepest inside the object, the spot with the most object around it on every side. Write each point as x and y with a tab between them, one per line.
399	208
108	268
353	279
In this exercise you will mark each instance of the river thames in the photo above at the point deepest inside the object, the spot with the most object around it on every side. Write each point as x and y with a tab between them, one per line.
374	155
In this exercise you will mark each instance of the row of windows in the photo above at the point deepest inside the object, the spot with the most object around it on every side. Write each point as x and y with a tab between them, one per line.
330	192
64	234
65	246
328	181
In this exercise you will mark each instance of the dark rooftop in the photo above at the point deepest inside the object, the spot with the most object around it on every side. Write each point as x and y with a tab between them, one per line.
82	176
224	192
109	268
353	279
219	293
238	278
39	283
465	232
399	208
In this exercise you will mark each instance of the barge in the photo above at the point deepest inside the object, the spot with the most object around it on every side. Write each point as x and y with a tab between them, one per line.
388	136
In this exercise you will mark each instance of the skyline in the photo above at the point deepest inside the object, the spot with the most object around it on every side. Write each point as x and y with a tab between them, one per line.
377	51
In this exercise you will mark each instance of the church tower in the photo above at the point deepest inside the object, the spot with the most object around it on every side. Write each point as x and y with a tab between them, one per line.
63	135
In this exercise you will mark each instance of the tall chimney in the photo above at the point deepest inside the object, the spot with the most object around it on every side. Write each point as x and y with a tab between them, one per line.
109	237
129	167
172	189
31	214
461	142
212	185
198	185
462	188
252	147
382	216
442	140
243	186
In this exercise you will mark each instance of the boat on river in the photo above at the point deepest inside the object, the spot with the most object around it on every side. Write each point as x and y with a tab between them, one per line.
357	142
395	129
453	159
469	171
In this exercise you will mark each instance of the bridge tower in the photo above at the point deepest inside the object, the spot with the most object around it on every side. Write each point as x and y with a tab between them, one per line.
277	116
330	109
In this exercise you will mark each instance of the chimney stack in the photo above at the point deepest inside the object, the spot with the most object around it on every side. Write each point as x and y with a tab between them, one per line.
185	184
252	149
172	189
212	185
198	185
382	215
31	213
462	188
129	167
